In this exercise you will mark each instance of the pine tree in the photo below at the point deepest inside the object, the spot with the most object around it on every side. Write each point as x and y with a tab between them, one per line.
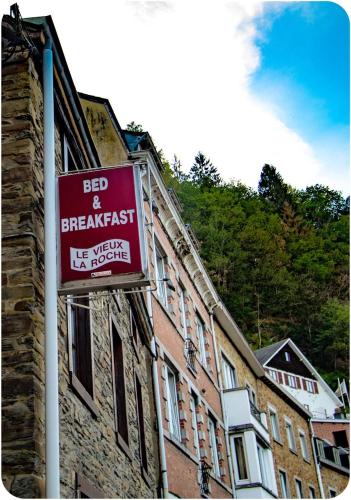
203	173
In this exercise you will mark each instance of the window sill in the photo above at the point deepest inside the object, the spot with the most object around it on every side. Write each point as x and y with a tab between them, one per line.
146	477
123	445
307	460
293	451
278	441
83	395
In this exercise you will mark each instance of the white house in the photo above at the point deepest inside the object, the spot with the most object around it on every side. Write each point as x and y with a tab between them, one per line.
287	365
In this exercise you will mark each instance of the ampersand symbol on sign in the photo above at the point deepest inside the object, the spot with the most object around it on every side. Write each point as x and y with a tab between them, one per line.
96	202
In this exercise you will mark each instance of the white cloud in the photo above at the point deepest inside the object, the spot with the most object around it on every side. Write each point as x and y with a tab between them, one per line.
182	70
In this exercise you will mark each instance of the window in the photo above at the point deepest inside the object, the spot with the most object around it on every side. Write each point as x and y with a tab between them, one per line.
229	375
273	418
309	386
303	444
283	484
161	274
290	435
292	381
311	492
121	417
332	493
201	336
213	443
273	374
252	394
340	439
172	399
264	464
298	487
81	349
69	162
182	311
140	415
287	356
240	469
193	406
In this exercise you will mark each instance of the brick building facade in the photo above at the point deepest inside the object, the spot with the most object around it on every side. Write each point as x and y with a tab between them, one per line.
159	393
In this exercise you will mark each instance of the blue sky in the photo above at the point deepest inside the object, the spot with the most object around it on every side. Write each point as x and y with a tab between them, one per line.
244	81
304	70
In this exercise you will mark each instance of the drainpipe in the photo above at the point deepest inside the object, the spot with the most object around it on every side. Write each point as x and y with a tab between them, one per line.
161	439
318	467
52	462
226	431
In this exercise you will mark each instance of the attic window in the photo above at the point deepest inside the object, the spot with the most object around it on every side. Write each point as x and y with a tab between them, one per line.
287	356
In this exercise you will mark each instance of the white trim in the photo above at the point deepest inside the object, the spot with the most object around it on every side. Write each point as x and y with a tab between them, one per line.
309	366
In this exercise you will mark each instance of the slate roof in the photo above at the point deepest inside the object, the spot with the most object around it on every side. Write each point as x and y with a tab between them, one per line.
267	352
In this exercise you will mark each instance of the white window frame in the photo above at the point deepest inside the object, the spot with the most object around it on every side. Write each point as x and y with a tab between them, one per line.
330	488
275	427
264	465
292	381
172	401
252	393
310	489
298	488
228	374
290	435
284	486
200	327
182	310
66	151
194	424
287	356
303	444
213	443
160	262
309	386
273	374
239	480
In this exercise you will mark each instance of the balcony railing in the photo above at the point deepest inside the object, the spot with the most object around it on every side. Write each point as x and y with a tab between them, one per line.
337	456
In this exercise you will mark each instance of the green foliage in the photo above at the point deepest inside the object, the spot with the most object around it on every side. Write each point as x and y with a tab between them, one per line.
134	127
278	257
203	173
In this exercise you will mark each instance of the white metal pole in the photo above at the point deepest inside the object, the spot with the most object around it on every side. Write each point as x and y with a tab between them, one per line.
51	351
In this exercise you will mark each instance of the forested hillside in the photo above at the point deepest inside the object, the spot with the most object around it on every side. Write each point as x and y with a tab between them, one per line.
278	256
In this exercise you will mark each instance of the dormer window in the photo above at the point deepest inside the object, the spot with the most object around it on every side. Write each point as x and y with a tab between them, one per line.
287	356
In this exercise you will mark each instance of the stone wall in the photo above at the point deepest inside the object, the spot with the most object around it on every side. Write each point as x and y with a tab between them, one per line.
22	280
88	444
334	480
293	463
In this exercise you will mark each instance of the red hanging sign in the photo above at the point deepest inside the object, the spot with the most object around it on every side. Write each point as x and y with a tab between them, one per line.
101	229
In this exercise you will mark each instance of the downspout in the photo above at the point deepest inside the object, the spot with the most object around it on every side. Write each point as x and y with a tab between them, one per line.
52	461
318	467
161	439
226	431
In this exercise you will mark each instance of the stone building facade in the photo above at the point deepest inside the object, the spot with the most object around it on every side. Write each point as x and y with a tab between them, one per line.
104	341
159	393
267	462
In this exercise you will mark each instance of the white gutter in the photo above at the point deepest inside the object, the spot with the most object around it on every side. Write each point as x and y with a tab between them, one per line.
317	464
157	393
225	419
52	462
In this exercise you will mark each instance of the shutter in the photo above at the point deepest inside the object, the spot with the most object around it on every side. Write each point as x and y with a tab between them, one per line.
286	380
280	377
315	387
298	382
304	384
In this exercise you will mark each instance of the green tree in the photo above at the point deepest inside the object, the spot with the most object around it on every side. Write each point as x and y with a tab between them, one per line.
134	127
271	187
203	173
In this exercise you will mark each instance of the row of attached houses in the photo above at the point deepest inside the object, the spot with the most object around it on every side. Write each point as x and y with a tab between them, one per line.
160	395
